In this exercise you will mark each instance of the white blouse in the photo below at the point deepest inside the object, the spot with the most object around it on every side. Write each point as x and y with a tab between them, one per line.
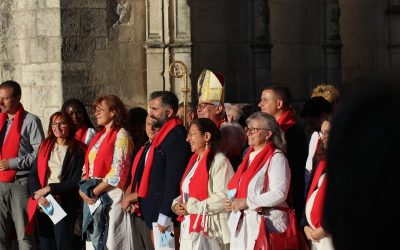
278	188
311	151
55	163
310	202
89	136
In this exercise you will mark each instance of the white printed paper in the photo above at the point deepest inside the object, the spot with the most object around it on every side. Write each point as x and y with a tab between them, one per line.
157	235
58	212
93	207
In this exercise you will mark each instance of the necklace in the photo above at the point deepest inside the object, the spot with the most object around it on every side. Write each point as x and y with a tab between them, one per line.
60	148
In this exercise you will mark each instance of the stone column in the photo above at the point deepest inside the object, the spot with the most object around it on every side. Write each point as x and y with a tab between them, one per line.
155	45
30	46
167	39
180	48
393	36
261	48
333	44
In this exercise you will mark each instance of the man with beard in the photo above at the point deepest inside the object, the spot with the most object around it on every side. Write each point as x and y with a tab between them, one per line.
276	101
210	88
157	178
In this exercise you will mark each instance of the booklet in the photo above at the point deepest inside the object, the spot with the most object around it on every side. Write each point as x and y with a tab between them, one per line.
54	210
164	241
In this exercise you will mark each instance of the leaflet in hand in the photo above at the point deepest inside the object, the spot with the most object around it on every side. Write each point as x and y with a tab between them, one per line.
54	211
164	241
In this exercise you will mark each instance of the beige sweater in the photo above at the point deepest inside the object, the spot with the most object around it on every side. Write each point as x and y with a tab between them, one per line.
221	172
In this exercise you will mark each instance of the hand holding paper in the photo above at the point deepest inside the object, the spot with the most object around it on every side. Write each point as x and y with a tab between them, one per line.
163	241
54	210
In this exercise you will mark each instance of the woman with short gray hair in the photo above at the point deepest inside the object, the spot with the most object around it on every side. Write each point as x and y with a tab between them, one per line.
265	159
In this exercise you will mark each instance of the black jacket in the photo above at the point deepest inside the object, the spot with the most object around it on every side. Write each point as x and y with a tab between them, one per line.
67	189
297	155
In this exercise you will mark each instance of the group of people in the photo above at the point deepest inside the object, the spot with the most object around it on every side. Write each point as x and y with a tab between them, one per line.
183	181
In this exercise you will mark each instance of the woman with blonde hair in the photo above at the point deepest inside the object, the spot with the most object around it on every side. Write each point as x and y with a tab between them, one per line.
327	91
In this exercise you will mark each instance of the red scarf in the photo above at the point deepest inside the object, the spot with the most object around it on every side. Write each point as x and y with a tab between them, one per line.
80	134
42	166
158	139
245	173
10	145
133	172
104	156
318	205
287	120
198	185
135	166
219	123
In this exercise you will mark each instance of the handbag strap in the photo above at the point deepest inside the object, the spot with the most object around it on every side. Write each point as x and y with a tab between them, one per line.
265	187
266	174
202	212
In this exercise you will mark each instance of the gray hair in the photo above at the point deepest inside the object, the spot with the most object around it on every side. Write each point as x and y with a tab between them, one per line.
233	137
278	137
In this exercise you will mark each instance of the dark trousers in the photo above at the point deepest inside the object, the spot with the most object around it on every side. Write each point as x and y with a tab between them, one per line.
141	234
58	236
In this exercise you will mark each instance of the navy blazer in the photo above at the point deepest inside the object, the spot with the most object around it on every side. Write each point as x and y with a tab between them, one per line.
169	163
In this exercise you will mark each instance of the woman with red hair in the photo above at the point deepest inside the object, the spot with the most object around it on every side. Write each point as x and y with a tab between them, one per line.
106	171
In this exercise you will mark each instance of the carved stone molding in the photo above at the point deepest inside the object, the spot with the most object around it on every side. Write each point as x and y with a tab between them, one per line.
154	21
168	38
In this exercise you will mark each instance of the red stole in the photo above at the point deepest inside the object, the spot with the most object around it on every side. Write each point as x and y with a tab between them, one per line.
10	145
104	156
318	205
42	165
80	134
133	172
198	185
245	173
219	123
135	166
158	139
287	120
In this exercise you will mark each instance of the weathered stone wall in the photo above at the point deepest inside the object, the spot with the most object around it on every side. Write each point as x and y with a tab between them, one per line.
297	58
231	37
364	38
30	45
102	51
58	49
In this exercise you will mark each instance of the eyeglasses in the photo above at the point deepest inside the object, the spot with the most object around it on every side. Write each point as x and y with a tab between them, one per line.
203	105
323	134
99	111
254	130
59	124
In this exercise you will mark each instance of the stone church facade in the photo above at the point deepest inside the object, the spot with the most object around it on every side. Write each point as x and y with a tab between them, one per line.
58	49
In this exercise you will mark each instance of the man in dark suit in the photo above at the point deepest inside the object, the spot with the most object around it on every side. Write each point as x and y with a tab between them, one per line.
157	178
276	101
